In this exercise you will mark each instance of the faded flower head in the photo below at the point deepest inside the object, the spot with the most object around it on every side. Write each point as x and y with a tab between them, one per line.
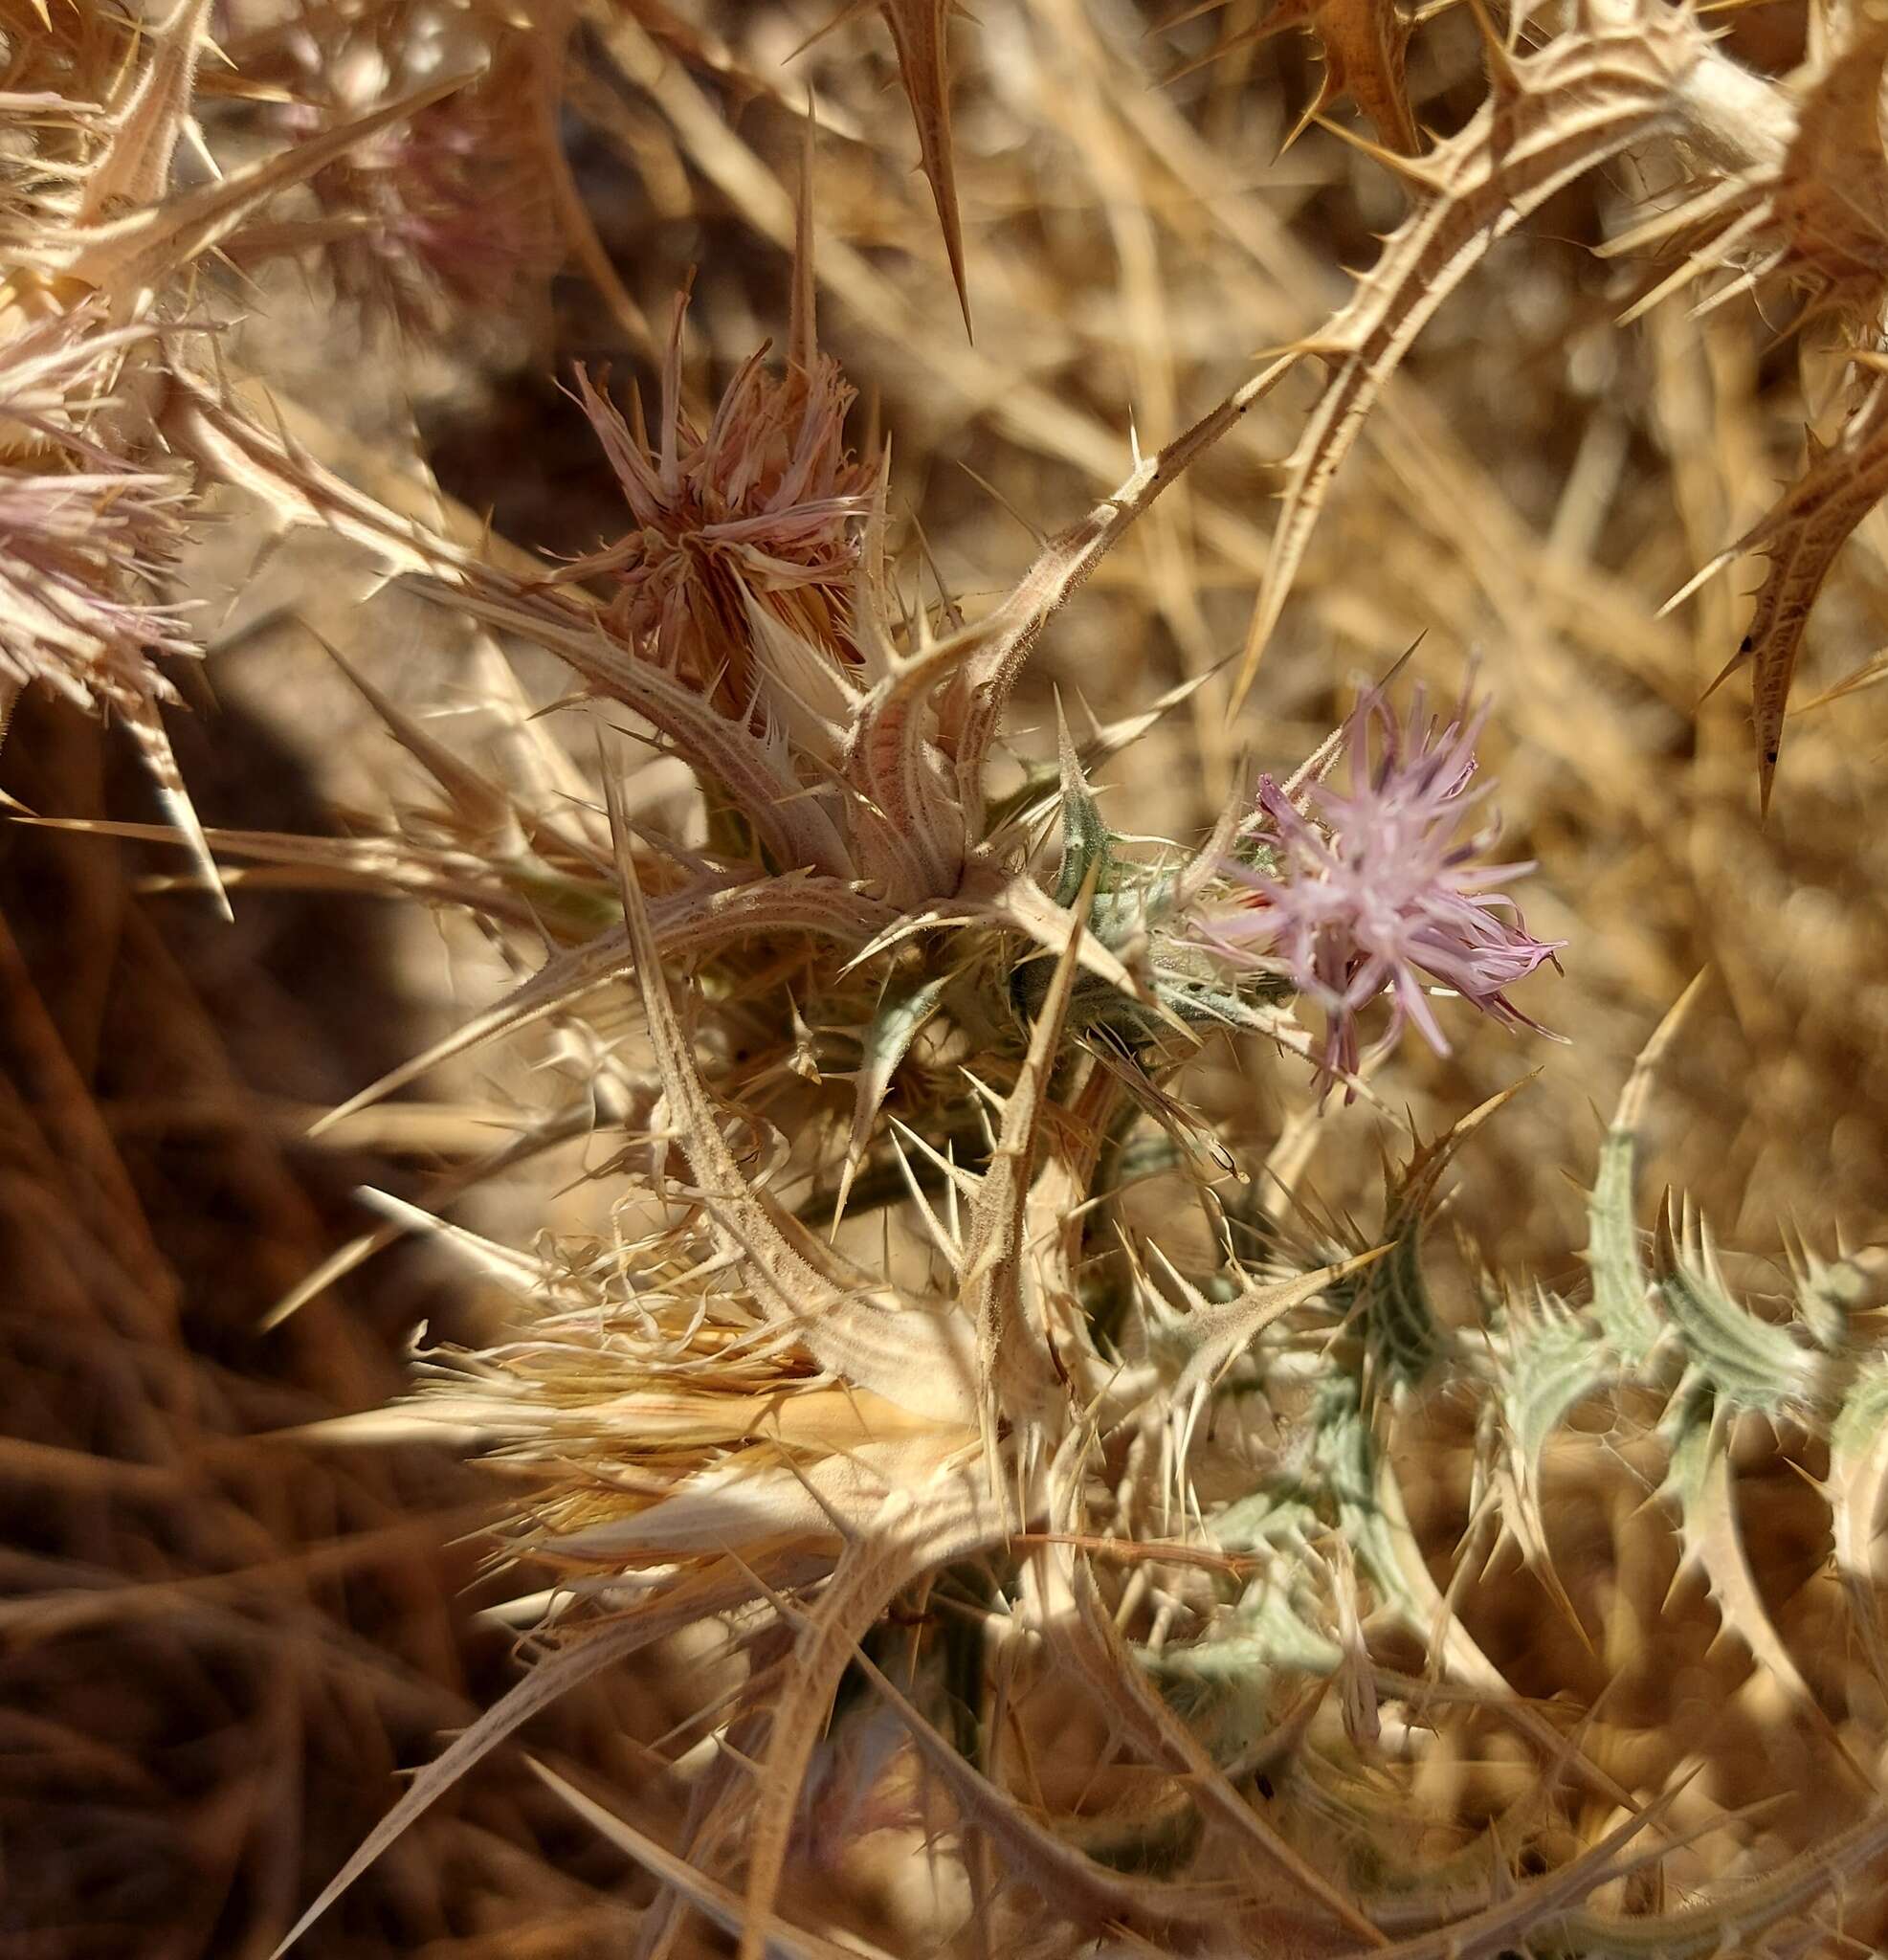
75	550
762	504
447	210
1373	891
84	534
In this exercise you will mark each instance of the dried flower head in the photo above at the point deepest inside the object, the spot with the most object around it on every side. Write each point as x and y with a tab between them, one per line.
1383	888
73	551
84	531
447	210
761	506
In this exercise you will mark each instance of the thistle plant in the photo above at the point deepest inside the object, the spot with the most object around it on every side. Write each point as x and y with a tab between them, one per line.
1132	1575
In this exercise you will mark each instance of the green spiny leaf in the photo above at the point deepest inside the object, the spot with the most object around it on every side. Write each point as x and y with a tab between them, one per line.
1698	1484
1857	1476
1622	1289
1085	836
1548	1360
886	1040
1393	1312
1747	1363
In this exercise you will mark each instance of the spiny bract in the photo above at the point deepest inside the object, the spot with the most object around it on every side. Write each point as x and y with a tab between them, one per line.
1107	1571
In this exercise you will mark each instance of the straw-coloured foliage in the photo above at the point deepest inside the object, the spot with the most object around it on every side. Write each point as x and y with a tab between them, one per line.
909	1302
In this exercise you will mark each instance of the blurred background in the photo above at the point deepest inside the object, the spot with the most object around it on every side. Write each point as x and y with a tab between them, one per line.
221	1640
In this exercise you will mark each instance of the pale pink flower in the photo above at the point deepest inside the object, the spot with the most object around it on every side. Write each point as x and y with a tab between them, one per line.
1377	889
447	210
85	535
75	550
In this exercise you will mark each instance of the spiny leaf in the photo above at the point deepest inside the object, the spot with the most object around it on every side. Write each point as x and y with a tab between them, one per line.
480	806
145	722
1697	1484
685	922
953	1520
1800	536
797	825
712	1898
1737	1921
135	167
886	1040
134	255
1364	45
1393	1311
1622	1287
1747	1363
1829	201
1858	1478
1531	1915
1075	1886
1548	1360
389	865
1122	1689
1354	1472
524	1276
231	445
1356	1475
694	1598
1587	95
1016	1376
972	707
1828	1292
919	33
1085	837
991	895
899	774
1221	1331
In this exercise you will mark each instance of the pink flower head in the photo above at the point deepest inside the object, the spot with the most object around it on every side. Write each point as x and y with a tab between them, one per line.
448	210
85	535
74	547
1381	889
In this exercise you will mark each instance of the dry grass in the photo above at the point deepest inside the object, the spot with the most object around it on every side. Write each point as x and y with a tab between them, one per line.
222	1640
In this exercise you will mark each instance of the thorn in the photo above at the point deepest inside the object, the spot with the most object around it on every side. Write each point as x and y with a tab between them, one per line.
1413	169
1503	77
991	490
1697	579
1311	113
1746	647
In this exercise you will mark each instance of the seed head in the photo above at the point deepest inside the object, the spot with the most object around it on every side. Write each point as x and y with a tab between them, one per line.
761	504
1373	890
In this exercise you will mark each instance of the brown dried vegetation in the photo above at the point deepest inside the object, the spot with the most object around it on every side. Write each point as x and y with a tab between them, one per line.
978	1453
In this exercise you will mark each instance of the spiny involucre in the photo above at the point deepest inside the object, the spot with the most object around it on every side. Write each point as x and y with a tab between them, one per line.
761	505
1034	1468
